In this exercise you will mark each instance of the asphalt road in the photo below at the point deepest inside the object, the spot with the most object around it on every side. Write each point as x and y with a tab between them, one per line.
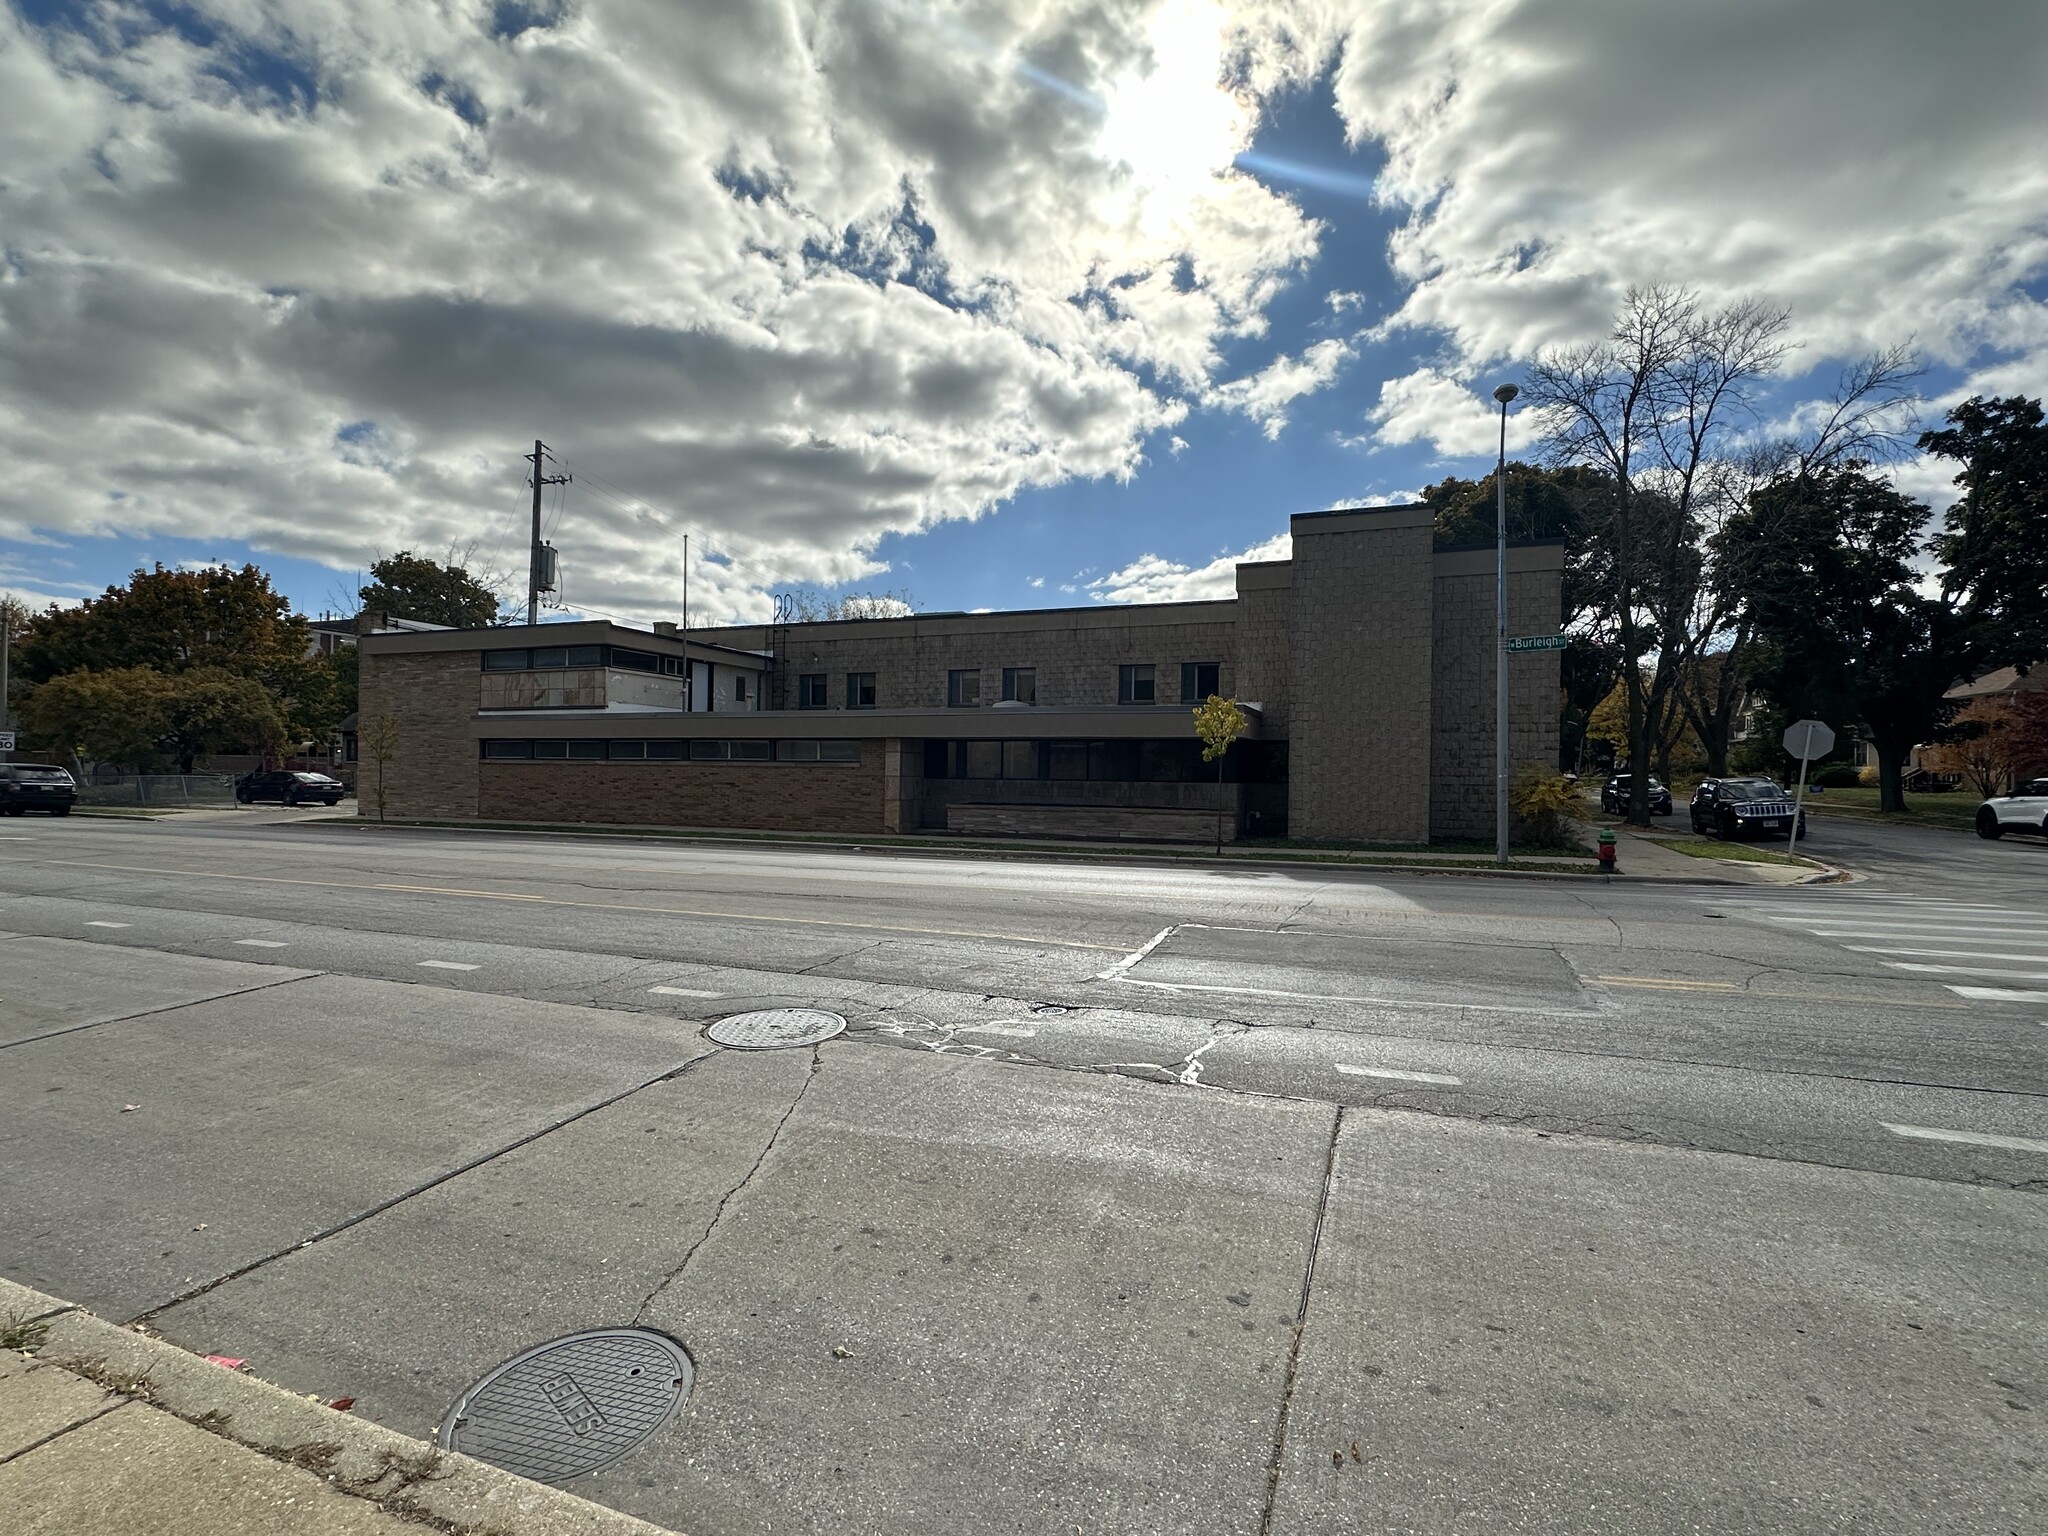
1136	1196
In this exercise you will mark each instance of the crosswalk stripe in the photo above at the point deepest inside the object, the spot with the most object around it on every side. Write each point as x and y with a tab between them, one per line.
1948	954
1999	995
1969	1138
1932	931
1967	970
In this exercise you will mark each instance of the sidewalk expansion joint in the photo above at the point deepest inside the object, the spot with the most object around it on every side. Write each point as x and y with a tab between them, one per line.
418	1189
718	1213
145	1013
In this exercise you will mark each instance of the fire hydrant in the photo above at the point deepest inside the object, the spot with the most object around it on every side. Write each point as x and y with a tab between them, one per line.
1606	852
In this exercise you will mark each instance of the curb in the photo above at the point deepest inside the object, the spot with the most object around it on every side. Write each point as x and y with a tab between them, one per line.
1047	855
315	1450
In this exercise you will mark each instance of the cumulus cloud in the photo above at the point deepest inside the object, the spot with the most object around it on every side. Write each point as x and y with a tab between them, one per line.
1153	579
1266	395
1874	164
312	275
1455	419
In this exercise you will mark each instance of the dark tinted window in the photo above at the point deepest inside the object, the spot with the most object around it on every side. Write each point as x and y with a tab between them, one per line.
796	751
628	749
1198	680
508	749
635	661
707	751
586	751
1134	685
505	661
551	656
860	690
667	751
1020	684
810	690
1751	789
555	749
748	751
963	687
838	751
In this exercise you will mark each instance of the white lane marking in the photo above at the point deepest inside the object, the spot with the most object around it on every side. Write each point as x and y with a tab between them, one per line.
1944	932
1967	970
262	943
1965	922
1116	971
1970	1138
447	965
1947	954
1998	994
682	992
1406	1077
108	925
1363	1002
994	1029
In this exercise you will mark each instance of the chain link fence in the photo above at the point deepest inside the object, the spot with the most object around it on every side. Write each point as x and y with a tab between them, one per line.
162	789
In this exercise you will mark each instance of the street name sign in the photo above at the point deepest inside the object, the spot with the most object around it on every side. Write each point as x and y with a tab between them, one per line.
1540	643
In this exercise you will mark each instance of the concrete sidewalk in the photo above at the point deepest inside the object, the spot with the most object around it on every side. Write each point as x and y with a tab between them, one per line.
105	1431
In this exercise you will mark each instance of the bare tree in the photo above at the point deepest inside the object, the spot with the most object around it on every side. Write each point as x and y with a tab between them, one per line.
1652	406
378	740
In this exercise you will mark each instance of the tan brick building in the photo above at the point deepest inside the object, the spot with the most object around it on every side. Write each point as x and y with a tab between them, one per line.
1365	664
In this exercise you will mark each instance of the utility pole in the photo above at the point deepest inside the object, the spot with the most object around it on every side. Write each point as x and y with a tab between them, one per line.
6	665
538	459
1503	394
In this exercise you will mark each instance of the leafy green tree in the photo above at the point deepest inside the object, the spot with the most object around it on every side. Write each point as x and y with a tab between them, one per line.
169	621
207	709
116	716
1833	566
1994	541
410	586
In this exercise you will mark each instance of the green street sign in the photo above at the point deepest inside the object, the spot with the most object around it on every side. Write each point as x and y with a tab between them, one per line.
1540	643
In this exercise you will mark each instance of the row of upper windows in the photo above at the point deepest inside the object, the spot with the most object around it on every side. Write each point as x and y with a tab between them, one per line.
503	749
546	657
1136	684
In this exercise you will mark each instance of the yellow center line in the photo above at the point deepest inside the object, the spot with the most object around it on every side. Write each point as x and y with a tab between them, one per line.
1731	989
598	906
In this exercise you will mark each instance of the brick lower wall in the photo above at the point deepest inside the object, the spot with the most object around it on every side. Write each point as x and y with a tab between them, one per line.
778	797
431	696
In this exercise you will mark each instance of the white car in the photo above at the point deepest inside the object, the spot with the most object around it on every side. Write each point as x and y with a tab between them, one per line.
2024	811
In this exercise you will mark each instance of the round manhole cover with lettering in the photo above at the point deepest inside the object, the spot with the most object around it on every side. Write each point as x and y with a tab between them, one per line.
573	1405
765	1029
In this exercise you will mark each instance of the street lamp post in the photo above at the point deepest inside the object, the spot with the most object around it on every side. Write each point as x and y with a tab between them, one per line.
1504	394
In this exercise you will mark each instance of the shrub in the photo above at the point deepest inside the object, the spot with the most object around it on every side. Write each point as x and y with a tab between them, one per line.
1838	776
1544	805
1867	776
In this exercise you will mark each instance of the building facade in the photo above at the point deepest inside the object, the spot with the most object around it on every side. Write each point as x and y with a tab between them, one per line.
1365	665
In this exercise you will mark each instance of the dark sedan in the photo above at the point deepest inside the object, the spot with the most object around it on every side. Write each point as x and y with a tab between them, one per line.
1614	796
1735	808
290	788
36	787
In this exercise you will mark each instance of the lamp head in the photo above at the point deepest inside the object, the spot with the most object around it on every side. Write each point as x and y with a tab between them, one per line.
1506	393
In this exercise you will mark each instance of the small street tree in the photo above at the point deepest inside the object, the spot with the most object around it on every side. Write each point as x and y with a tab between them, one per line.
378	741
1219	722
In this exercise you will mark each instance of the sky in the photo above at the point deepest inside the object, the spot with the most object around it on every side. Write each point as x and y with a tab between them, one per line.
996	304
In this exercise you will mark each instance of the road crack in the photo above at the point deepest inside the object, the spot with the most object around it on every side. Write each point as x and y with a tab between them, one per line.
725	1200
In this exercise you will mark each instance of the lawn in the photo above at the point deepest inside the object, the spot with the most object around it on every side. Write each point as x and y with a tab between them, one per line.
1956	810
1741	853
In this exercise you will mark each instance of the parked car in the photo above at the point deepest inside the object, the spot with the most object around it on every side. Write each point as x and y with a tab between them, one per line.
36	787
1733	808
1614	795
289	788
2024	810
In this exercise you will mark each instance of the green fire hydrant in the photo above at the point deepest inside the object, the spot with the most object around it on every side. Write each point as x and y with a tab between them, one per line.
1607	850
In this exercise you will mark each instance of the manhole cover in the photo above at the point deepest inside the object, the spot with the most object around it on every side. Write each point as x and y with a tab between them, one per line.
571	1406
767	1028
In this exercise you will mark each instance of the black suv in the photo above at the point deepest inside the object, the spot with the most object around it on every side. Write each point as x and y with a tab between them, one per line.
36	787
289	788
1733	808
1614	795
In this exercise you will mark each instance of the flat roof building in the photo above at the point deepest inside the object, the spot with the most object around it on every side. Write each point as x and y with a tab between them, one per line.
1365	665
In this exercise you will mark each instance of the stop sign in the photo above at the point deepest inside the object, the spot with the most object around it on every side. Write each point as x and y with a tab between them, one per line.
1809	739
